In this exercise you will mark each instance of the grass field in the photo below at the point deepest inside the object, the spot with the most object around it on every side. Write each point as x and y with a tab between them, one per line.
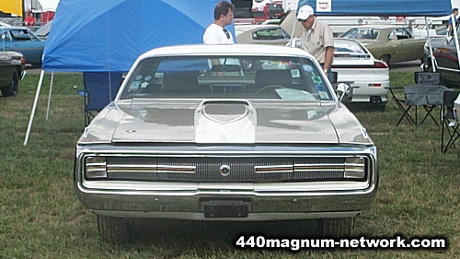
41	217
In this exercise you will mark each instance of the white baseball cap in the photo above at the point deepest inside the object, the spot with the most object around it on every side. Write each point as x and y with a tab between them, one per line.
305	12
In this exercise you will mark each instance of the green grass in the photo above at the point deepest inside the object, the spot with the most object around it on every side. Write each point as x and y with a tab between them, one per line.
42	218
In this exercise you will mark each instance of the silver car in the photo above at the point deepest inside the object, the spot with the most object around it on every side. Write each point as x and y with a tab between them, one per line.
226	133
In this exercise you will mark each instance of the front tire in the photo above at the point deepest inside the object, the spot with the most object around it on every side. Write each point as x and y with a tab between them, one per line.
385	58
12	88
337	227
113	230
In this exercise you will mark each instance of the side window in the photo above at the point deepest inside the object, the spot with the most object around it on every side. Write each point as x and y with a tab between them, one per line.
21	35
401	33
5	36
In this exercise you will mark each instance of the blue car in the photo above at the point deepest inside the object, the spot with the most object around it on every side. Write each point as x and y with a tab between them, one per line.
22	40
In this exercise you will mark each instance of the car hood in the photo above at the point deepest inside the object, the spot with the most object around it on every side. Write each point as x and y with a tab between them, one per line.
224	121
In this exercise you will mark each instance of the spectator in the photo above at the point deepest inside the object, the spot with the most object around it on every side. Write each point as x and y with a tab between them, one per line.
455	14
316	39
30	20
216	32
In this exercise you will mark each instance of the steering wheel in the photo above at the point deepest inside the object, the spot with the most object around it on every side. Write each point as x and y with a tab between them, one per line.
269	87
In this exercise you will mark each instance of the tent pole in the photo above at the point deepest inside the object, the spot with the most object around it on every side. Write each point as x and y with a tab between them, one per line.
293	42
454	28
429	44
34	107
49	96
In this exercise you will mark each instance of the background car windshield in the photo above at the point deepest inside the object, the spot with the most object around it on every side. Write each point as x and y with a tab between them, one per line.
287	78
348	46
270	34
361	33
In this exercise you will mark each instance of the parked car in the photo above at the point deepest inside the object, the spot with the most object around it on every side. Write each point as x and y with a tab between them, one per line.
388	43
212	132
369	77
419	31
445	59
261	34
11	72
457	108
42	32
23	40
2	24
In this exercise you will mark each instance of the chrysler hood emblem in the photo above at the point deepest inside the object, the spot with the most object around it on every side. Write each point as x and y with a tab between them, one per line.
225	170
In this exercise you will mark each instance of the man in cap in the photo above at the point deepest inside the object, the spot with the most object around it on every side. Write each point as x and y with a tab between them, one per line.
316	39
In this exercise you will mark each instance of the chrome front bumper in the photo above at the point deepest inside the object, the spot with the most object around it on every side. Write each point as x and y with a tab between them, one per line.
258	205
257	201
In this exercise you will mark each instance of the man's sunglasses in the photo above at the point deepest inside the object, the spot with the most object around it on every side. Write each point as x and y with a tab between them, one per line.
300	20
227	34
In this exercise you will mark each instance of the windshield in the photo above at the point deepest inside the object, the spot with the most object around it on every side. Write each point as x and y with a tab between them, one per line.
250	77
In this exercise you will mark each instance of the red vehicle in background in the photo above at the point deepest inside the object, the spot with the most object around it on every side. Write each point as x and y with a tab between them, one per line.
270	11
260	11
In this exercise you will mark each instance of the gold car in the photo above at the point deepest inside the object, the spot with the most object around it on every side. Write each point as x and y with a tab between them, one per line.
388	43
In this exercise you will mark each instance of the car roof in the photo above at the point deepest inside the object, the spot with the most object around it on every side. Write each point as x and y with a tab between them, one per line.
378	26
247	27
225	49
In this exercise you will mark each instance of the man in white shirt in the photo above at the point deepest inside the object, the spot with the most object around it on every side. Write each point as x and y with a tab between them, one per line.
316	39
216	32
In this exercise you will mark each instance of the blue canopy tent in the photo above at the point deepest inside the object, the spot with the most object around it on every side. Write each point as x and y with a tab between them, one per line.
379	7
107	36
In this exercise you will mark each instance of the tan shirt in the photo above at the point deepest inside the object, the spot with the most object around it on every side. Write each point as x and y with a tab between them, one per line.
315	40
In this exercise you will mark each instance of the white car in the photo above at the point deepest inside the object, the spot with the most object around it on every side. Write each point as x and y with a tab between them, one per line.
368	77
457	108
226	133
355	65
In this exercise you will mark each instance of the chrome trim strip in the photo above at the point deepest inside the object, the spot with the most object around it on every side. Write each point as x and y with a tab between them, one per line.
176	169
152	169
273	169
318	167
251	216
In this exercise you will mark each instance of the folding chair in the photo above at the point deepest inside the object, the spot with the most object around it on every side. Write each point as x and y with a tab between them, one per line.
100	88
428	78
404	109
449	123
427	92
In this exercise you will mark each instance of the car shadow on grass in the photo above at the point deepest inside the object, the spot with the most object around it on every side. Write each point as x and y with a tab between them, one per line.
178	237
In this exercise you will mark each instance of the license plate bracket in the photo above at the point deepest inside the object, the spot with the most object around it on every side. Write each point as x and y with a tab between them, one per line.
225	211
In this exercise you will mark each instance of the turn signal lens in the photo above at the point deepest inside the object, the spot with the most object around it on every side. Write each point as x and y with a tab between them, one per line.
354	168
96	167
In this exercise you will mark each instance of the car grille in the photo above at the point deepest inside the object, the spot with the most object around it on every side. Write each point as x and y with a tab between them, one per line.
228	169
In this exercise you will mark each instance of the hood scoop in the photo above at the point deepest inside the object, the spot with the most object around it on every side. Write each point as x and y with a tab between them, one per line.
225	121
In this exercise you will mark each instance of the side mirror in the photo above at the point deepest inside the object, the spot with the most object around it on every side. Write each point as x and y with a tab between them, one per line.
342	90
